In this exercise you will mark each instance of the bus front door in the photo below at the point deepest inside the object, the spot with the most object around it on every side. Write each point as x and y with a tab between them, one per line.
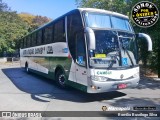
81	69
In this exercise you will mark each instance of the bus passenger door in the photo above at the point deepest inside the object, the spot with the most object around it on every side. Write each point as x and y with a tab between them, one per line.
81	69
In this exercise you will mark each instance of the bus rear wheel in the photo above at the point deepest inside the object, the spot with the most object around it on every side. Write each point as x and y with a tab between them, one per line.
61	79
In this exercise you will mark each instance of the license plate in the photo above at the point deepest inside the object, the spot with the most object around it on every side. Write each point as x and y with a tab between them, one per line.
122	86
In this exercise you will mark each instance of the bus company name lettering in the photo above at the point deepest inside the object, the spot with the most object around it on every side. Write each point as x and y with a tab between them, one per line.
104	72
49	50
28	52
39	50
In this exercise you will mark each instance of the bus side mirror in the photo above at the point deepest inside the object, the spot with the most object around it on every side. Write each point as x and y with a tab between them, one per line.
91	38
148	38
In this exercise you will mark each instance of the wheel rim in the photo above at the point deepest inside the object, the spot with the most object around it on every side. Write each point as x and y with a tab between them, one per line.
61	80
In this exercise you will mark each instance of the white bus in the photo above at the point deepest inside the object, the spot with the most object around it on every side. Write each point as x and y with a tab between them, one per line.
89	49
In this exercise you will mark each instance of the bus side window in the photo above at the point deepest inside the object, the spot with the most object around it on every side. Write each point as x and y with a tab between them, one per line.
59	31
43	38
74	25
53	26
31	41
34	41
24	43
48	35
28	41
39	37
80	49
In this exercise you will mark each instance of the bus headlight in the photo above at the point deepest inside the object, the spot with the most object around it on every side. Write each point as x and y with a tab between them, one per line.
99	78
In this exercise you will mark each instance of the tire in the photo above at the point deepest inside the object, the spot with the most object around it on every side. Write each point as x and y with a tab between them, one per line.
61	79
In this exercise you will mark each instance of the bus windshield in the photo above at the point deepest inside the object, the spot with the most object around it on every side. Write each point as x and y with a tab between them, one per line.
99	20
113	49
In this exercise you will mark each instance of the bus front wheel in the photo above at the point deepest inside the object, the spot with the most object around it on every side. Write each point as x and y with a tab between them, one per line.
60	78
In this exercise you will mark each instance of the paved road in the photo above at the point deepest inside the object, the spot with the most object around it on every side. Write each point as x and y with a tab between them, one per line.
20	91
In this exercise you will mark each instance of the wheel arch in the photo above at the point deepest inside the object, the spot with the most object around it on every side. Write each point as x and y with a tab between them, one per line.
59	67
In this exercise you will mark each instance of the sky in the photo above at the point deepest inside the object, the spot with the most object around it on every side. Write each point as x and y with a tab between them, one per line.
48	8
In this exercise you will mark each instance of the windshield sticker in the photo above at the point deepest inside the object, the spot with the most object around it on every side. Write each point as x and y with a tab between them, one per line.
100	56
80	59
124	61
104	72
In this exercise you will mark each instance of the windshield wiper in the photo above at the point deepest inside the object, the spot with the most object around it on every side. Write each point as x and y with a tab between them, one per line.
126	49
111	64
113	61
128	55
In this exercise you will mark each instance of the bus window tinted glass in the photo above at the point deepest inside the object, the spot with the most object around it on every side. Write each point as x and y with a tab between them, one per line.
80	49
28	41
98	20
74	26
101	20
34	41
39	37
24	43
120	23
48	34
59	31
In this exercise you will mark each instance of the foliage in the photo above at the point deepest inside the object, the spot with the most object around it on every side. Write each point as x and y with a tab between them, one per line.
33	21
112	5
40	20
14	26
3	6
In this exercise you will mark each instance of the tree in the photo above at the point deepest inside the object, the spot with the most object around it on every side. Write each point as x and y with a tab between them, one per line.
12	28
3	6
119	6
40	20
33	21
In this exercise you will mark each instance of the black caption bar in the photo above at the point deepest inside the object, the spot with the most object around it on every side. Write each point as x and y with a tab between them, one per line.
79	114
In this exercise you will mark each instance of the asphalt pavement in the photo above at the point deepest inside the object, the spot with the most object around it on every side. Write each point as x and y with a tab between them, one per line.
20	91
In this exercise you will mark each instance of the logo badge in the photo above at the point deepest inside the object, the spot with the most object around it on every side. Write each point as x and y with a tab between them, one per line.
145	14
121	76
104	108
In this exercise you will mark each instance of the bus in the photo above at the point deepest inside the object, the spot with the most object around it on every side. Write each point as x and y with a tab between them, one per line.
92	50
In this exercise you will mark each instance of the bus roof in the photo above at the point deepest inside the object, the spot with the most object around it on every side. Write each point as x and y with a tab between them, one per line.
81	10
102	11
89	10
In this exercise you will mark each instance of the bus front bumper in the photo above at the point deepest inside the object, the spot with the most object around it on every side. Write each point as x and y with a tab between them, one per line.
99	87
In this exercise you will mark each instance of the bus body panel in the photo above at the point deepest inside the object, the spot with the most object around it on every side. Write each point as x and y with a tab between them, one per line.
46	58
130	77
111	85
116	74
